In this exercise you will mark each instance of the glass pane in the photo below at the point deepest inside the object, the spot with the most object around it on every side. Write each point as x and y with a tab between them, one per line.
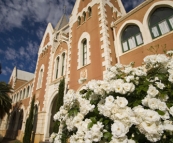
155	31
132	43
125	46
139	39
171	21
164	28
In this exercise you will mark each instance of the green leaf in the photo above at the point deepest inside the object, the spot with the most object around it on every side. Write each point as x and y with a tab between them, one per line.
106	122
90	125
160	112
93	119
107	136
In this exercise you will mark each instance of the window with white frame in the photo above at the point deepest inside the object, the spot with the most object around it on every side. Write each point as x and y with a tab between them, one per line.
24	93
79	21
40	77
89	11
84	16
57	67
27	92
131	37
83	50
63	64
161	21
20	95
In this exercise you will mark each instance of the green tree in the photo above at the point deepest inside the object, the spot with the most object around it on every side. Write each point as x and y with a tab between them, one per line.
59	100
5	100
29	123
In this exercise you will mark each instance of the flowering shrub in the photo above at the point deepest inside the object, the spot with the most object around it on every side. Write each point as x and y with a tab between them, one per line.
130	105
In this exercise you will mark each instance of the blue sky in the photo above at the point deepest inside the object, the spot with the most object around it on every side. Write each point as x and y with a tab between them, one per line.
22	25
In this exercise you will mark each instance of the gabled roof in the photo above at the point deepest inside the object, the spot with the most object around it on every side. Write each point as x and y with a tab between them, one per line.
62	22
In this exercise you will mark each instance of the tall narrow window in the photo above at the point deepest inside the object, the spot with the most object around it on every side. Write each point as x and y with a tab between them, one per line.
23	93
89	12
40	78
161	21
27	93
63	62
131	37
20	95
57	67
84	52
84	16
79	21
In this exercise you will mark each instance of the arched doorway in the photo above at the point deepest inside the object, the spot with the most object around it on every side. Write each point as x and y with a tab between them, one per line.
53	111
15	123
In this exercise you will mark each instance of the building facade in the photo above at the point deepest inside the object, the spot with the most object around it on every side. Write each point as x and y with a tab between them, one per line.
98	35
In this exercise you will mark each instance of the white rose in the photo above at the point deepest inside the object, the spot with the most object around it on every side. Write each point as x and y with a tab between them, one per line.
168	125
145	101
77	120
171	110
153	103
165	116
118	129
170	78
160	85
131	141
149	128
152	91
162	106
128	87
151	116
121	102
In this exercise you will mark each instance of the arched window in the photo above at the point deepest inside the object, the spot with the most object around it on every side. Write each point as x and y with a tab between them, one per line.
89	11
56	67
79	21
84	16
63	63
84	52
20	95
131	37
17	97
161	21
23	93
27	92
40	78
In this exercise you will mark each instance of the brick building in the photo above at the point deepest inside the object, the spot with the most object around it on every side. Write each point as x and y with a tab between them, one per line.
98	34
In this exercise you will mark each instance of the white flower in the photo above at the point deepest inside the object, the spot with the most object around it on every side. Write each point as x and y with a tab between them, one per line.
118	129
121	101
145	101
128	87
171	110
131	141
165	116
119	140
153	103
170	78
160	85
162	106
168	125
150	128
152	91
151	116
77	120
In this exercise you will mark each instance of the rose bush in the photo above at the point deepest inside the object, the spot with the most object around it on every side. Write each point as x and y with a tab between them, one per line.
131	104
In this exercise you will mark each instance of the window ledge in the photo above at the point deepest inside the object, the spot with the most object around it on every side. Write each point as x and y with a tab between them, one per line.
83	66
